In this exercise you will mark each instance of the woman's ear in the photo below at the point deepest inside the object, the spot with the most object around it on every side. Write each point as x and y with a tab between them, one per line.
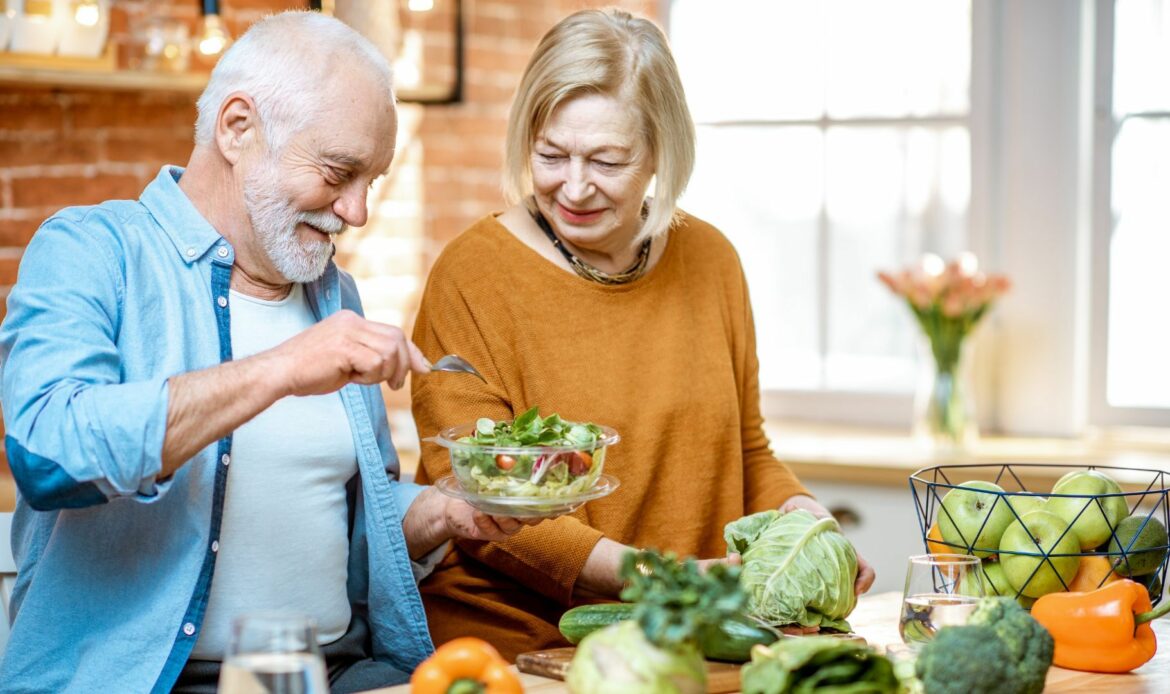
237	127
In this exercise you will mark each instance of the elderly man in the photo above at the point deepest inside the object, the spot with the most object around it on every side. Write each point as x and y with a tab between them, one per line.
192	404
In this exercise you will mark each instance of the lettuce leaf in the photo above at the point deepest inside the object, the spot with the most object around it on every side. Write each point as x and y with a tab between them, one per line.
797	569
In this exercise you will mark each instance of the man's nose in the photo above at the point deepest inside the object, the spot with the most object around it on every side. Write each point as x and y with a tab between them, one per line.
351	206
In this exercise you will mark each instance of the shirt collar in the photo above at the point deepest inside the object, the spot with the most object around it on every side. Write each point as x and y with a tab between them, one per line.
191	234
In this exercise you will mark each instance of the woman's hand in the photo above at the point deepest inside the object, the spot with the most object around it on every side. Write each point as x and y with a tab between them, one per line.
865	572
732	559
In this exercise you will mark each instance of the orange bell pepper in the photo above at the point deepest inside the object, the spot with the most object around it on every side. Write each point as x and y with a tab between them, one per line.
1103	630
465	666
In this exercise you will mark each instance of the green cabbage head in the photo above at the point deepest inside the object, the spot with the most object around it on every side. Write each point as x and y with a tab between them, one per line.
618	658
797	569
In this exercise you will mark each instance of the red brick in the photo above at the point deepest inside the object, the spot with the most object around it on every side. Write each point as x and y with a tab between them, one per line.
468	153
131	112
47	151
29	113
9	263
17	232
152	149
484	55
73	190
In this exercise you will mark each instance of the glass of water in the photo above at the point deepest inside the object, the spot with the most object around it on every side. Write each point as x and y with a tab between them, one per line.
273	653
941	590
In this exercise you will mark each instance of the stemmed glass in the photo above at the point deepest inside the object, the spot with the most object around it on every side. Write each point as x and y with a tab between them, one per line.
273	653
941	590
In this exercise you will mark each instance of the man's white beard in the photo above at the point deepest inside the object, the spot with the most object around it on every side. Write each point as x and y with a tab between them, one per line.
275	223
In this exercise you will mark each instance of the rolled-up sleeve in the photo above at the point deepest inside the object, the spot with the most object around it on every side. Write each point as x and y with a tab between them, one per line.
76	434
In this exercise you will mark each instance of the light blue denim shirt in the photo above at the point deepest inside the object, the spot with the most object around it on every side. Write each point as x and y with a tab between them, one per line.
114	566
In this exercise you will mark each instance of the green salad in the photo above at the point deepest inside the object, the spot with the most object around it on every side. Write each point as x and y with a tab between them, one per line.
531	456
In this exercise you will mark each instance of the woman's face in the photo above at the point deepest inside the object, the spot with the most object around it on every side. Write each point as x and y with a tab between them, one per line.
590	171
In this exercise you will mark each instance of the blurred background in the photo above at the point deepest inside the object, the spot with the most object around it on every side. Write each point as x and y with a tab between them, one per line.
837	138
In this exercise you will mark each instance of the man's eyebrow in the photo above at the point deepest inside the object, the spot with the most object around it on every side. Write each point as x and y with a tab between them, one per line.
349	160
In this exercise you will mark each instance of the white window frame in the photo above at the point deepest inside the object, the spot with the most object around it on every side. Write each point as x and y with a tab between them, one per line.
868	407
1041	132
1105	131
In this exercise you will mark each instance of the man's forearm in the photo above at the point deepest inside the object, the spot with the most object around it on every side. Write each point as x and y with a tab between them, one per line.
206	405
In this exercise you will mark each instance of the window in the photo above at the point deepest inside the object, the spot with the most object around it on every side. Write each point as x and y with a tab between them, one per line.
833	141
1131	381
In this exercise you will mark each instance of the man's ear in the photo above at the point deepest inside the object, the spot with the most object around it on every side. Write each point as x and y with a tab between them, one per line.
237	127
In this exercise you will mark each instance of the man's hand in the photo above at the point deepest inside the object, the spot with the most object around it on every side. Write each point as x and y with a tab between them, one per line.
206	405
345	348
464	522
865	572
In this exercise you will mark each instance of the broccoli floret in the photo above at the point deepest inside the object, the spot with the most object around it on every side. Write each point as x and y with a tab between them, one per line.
1029	643
965	660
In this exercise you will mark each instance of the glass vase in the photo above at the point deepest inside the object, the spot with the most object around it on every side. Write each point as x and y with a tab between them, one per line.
944	404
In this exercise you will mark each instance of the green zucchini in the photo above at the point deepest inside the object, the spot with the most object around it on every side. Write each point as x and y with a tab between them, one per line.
734	638
581	621
732	641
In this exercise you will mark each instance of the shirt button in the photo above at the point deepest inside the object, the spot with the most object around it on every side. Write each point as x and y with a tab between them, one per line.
215	545
189	629
222	252
225	459
191	252
222	301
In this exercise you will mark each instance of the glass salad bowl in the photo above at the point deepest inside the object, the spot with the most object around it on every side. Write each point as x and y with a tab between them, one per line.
529	467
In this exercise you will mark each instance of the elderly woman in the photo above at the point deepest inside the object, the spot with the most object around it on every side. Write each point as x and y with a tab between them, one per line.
589	299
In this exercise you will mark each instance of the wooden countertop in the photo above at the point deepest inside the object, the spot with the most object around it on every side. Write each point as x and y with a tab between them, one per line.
876	618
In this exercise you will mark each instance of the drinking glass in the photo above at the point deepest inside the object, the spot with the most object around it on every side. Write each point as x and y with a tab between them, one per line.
941	590
273	653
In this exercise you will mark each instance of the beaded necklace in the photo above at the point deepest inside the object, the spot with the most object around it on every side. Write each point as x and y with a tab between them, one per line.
586	270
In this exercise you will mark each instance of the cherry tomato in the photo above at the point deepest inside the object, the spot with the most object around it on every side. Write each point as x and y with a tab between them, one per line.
505	462
580	463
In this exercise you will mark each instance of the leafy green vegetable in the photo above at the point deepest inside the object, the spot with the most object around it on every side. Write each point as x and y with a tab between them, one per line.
529	429
565	459
797	569
657	651
818	664
676	601
619	658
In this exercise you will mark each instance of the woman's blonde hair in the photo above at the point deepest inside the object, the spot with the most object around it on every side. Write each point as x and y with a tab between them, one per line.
607	52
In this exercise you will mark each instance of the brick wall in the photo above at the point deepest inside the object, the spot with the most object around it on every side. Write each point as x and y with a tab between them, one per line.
72	147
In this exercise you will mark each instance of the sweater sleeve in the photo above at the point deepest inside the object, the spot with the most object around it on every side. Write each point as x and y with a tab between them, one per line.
767	481
454	319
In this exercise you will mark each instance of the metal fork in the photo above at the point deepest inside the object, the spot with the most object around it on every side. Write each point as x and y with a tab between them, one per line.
455	363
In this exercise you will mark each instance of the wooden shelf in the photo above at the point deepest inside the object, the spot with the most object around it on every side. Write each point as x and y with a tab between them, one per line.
117	80
60	72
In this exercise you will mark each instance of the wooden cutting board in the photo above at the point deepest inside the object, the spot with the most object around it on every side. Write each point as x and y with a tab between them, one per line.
554	663
721	677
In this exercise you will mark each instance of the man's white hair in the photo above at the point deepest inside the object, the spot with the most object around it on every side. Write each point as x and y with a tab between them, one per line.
284	62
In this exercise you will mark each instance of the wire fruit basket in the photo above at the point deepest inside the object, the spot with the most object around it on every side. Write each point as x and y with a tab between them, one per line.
1096	525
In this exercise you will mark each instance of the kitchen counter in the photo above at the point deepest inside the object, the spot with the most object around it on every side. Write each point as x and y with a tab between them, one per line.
887	457
876	618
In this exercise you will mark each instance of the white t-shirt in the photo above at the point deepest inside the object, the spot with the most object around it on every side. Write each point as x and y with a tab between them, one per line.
284	541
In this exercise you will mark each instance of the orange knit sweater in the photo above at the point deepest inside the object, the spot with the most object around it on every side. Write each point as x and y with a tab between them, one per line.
668	360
